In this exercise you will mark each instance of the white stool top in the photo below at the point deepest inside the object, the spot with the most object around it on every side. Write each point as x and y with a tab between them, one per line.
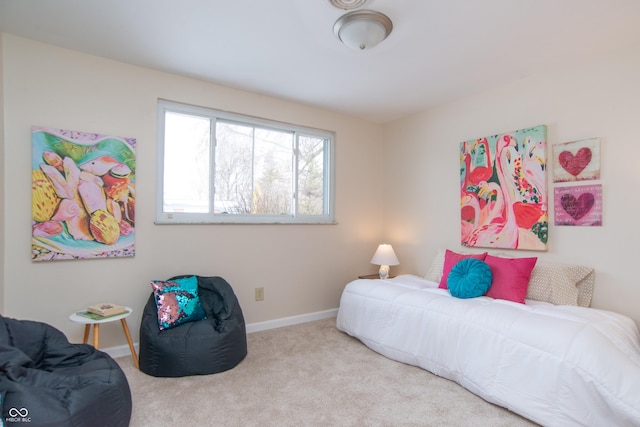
75	317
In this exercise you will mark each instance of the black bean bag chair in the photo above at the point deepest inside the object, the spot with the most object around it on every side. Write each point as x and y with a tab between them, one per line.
47	381
215	344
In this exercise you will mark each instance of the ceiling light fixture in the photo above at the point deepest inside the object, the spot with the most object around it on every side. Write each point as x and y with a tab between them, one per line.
347	4
362	29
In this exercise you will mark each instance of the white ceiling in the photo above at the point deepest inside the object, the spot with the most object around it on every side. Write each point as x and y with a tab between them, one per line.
439	50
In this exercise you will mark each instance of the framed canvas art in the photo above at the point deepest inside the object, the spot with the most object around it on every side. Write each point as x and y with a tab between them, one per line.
83	195
503	190
576	160
578	205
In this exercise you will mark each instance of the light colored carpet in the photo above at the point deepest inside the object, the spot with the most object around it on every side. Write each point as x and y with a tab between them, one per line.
310	375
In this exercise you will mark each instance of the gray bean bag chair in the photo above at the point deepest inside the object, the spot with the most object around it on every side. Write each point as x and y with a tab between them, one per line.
47	381
215	344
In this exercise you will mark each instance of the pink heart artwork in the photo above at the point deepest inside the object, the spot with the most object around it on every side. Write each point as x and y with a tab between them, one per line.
575	164
577	207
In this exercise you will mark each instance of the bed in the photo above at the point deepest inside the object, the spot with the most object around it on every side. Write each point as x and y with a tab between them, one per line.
555	364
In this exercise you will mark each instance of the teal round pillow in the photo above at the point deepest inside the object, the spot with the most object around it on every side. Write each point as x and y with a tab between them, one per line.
469	278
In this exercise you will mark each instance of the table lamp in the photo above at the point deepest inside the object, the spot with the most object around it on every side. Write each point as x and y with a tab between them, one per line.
384	257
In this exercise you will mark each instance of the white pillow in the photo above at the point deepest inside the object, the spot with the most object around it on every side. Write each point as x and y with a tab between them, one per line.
437	265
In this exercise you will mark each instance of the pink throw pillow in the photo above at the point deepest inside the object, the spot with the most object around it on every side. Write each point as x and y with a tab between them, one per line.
510	277
450	259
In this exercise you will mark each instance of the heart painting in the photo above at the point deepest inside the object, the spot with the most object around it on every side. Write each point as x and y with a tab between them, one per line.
575	164
576	161
578	205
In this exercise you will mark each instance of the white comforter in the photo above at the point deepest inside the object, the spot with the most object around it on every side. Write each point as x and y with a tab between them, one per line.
556	365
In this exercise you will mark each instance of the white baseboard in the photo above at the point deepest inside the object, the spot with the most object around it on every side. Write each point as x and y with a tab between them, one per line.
123	350
289	321
120	350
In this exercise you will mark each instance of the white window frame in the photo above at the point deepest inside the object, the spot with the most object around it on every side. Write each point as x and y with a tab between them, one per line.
328	216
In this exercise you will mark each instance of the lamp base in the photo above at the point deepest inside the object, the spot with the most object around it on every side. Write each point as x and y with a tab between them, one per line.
384	271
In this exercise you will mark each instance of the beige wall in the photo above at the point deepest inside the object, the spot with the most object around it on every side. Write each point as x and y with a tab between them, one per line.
2	179
595	99
303	268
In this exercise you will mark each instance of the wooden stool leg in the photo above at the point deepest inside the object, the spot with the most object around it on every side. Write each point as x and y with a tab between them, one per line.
125	327
96	332
85	340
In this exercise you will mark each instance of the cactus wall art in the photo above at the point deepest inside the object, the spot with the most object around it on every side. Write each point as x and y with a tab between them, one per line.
83	195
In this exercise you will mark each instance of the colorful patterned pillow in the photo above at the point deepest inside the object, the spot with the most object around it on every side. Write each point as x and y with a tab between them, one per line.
561	284
177	302
469	278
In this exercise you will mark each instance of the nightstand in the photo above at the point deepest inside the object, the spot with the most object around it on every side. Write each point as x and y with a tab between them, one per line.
374	276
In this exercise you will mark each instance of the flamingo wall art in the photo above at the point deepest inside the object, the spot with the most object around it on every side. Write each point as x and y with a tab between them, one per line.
83	195
503	190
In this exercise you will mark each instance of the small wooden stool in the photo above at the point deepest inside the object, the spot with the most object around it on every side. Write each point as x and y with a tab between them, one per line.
75	317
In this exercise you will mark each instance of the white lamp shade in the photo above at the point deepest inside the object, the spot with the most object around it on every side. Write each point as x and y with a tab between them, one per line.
385	256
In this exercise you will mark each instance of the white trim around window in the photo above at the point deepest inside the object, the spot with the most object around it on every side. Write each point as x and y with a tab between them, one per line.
216	167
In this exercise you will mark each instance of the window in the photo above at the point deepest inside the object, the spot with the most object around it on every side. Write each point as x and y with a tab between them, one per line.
219	167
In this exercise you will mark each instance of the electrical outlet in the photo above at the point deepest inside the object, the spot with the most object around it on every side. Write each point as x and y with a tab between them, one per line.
259	294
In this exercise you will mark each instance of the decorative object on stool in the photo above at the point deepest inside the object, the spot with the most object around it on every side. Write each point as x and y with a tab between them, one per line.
51	382
384	257
198	346
106	309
